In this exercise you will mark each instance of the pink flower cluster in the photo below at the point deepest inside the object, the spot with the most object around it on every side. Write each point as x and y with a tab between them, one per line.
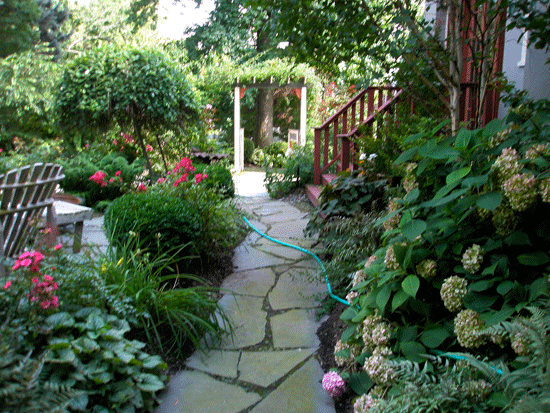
29	260
334	384
187	166
200	177
99	178
41	291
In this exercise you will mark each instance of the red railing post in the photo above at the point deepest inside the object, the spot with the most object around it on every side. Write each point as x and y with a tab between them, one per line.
317	157
345	154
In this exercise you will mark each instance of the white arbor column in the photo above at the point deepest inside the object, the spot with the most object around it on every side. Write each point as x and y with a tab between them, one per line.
239	161
303	116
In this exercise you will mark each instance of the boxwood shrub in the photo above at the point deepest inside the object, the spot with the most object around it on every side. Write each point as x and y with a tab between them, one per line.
162	221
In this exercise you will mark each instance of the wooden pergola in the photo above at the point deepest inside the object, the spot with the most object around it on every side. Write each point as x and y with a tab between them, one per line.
301	91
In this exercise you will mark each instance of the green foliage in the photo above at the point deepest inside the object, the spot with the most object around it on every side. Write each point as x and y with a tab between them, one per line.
219	179
18	28
120	176
155	216
437	387
72	356
297	172
134	88
172	317
466	238
248	150
26	97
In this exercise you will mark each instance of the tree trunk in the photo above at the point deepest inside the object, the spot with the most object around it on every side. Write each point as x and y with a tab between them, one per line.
263	135
263	131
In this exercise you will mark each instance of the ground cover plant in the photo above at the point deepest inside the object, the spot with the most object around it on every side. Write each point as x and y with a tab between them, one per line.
65	344
465	248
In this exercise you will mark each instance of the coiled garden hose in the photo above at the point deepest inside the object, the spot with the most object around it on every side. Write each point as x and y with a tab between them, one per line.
329	288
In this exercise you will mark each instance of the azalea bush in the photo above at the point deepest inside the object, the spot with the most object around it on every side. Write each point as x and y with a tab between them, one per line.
100	178
464	248
62	349
183	208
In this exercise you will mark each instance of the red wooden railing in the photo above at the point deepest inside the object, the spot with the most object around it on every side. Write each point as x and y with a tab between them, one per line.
335	137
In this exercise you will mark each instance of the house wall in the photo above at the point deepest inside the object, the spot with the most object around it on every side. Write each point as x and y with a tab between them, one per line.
525	67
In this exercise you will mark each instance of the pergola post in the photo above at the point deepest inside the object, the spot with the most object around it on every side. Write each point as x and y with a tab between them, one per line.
303	116
239	161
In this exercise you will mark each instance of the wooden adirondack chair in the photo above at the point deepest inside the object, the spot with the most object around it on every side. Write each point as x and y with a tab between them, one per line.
24	194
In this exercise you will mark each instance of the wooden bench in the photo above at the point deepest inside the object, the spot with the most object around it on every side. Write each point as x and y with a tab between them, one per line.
25	194
68	213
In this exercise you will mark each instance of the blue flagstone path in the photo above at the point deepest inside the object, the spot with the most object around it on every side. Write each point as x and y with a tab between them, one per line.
270	364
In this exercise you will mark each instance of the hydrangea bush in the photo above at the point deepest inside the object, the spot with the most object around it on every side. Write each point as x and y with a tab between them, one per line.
466	247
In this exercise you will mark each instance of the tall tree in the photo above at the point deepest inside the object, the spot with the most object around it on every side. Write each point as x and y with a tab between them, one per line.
243	34
331	33
25	23
132	88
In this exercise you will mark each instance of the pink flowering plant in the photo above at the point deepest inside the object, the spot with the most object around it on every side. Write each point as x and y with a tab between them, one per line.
29	286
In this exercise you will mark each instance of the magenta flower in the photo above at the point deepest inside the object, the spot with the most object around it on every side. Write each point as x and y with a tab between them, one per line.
99	178
334	384
200	177
7	285
141	188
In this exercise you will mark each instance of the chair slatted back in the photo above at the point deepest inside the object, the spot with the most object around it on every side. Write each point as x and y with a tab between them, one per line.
25	193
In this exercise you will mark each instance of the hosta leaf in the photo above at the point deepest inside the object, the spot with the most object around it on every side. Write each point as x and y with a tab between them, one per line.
149	383
59	320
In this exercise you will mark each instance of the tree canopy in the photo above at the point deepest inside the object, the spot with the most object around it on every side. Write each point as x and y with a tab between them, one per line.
133	88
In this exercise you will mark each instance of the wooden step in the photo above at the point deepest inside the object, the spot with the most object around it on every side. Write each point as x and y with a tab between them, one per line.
313	192
328	178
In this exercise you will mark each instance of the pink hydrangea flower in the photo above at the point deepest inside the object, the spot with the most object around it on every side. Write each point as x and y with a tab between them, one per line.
334	384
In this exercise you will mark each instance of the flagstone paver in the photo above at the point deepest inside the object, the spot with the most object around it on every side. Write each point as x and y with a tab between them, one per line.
270	364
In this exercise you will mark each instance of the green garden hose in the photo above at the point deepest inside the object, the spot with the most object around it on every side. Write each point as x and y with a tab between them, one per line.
329	288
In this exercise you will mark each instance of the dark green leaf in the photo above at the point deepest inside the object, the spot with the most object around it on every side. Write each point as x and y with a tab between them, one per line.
399	298
360	383
382	297
412	196
537	288
349	313
463	138
458	174
413	351
413	229
481	285
534	258
498	316
504	287
489	201
348	333
518	238
479	302
445	200
410	285
406	156
433	338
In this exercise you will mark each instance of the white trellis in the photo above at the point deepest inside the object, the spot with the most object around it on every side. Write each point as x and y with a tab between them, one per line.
301	92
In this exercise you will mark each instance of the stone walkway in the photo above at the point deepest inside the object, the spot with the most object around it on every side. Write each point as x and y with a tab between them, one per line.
270	365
